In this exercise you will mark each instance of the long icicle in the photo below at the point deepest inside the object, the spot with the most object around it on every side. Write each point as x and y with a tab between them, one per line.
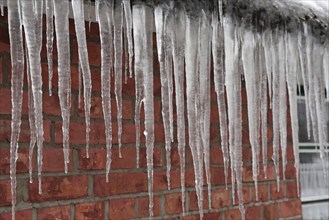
50	39
191	50
32	21
105	20
160	18
139	80
118	66
79	21
218	57
178	59
17	72
64	72
33	134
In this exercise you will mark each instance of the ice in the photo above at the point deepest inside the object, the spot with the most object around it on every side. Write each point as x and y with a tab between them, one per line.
2	11
283	102
191	53
218	57
32	21
142	17
292	61
138	26
127	11
80	84
250	76
61	10
204	88
104	11
267	42
161	14
89	14
17	71
276	106
50	40
79	21
178	46
33	134
118	25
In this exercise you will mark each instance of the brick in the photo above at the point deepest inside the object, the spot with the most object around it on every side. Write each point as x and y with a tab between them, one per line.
245	194
214	134
275	194
5	192
4	40
96	109
120	183
270	211
122	208
216	155
5	104
143	206
160	179
194	201
97	159
22	164
290	171
290	208
94	53
57	188
56	212
92	210
252	213
220	198
157	157
262	193
218	177
291	190
173	203
174	157
19	215
53	159
232	214
1	70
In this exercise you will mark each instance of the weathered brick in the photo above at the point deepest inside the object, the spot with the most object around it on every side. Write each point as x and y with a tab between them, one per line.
94	53
53	159
193	203
57	188
19	215
173	203
291	190
97	158
290	208
5	104
5	192
262	193
120	183
220	198
22	164
122	208
232	214
157	157
56	212
275	194
270	211
92	210
252	213
160	180
143	206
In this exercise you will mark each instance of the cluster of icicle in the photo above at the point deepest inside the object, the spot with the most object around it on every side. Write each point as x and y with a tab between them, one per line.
188	46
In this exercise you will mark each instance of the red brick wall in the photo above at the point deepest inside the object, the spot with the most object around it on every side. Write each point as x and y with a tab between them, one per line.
83	192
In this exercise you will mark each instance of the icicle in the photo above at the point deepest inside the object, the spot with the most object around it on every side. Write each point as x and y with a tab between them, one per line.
80	84
191	53
204	86
218	57
79	21
230	62
160	14
64	75
2	10
104	11
267	42
17	72
143	17
178	46
89	14
118	66
33	133
138	26
263	106
275	107
326	68
50	39
251	85
127	10
32	21
125	49
292	55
